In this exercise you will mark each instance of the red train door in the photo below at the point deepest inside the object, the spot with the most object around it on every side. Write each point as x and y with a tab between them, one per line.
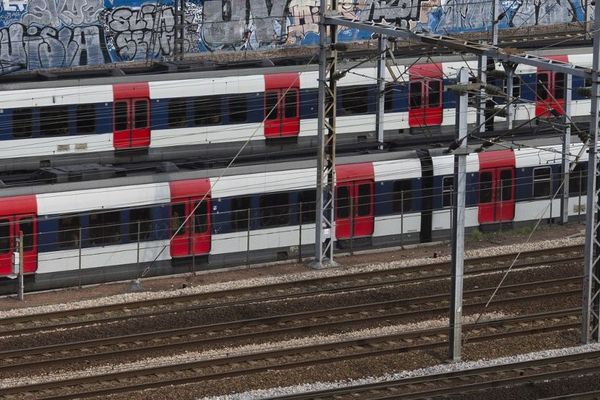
354	215
496	187
550	91
282	105
425	106
18	214
131	115
190	198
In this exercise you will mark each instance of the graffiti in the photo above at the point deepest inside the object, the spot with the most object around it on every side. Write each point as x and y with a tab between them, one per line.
48	47
57	13
148	32
66	33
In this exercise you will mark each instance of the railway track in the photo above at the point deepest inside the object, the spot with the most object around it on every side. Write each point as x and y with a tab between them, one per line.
234	365
268	328
288	290
472	380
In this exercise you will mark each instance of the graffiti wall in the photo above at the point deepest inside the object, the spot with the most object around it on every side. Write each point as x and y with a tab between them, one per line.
67	33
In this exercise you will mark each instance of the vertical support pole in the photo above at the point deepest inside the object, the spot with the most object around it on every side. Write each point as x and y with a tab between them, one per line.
380	106
248	239
325	225
482	62
139	224
79	256
495	22
21	267
402	219
509	68
566	146
179	29
458	223
587	23
193	243
591	278
299	231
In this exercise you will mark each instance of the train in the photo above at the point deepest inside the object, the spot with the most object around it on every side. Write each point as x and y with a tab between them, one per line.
119	228
210	114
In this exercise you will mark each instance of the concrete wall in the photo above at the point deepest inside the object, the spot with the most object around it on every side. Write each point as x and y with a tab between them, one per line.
65	33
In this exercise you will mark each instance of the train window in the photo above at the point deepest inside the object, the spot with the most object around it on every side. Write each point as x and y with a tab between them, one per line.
485	187
239	213
402	196
447	189
506	181
542	86
435	88
559	85
274	209
4	236
22	122
291	103
85	118
105	228
178	113
364	199
141	217
542	182
355	100
141	114
26	227
271	109
238	108
54	121
207	111
343	202
68	232
121	118
307	200
178	219
200	217
516	92
415	94
578	181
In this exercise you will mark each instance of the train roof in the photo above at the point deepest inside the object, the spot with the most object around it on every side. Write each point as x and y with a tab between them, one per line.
109	76
134	178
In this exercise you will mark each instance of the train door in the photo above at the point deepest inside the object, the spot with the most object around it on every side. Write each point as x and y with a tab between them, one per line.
190	217
354	211
131	115
550	91
18	214
496	187
282	105
425	106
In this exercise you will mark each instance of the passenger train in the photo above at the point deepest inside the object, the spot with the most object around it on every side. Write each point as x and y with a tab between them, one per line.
110	229
210	114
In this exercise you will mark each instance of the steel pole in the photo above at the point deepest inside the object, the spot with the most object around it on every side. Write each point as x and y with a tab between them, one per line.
591	279
379	116
566	148
458	221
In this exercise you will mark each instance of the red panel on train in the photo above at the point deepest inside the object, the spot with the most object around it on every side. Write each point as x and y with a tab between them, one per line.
550	86
282	105
496	186
190	221
425	104
18	214
354	210
131	115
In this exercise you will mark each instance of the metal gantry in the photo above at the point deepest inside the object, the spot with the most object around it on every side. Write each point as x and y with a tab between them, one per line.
325	228
591	281
326	127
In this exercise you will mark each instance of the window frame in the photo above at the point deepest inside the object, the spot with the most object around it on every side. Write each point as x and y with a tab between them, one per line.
68	236
538	181
271	209
447	193
401	203
50	124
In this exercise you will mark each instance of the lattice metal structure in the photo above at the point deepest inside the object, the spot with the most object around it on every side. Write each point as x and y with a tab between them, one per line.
591	295
591	282
179	29
325	225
